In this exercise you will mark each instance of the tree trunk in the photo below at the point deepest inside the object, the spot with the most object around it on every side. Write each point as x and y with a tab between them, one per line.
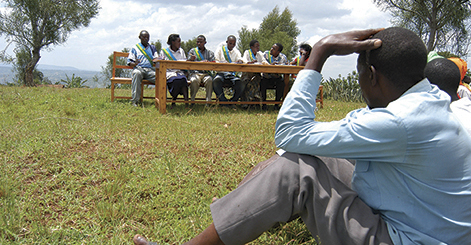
29	78
431	39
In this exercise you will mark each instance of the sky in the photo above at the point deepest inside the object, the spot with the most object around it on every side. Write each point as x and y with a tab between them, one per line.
119	22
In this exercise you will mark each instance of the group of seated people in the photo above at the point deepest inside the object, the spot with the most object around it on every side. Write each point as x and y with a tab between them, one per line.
248	87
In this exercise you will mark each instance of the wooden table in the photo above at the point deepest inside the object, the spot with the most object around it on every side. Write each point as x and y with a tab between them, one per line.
163	65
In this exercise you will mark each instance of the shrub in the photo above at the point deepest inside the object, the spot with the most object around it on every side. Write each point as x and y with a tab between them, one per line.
343	89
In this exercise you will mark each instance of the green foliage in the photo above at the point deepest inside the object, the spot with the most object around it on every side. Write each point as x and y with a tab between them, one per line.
107	70
158	45
23	58
191	43
73	82
276	27
440	23
78	169
346	89
36	24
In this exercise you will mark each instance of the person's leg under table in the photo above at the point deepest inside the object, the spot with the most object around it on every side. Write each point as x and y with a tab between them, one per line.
218	87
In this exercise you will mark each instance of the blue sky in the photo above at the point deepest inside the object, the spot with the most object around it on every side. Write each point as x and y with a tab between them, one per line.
119	22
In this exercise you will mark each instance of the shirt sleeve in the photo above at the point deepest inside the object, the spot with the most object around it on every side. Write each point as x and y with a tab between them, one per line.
237	56
183	55
245	57
190	53
363	134
131	56
211	55
219	57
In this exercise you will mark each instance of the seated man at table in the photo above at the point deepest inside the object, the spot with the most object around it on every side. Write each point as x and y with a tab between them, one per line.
304	53
253	55
142	58
270	80
198	78
228	54
411	183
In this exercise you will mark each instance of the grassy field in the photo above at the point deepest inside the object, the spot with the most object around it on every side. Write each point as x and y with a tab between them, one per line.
78	169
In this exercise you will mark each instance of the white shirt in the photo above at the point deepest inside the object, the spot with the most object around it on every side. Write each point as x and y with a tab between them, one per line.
234	54
247	57
462	109
179	55
463	92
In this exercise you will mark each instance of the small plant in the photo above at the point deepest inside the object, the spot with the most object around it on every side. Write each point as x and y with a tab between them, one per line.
73	82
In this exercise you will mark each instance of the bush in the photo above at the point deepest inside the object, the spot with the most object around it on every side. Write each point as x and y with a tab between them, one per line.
343	89
73	82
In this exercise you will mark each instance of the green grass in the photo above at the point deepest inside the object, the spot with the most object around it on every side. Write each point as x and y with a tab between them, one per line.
78	169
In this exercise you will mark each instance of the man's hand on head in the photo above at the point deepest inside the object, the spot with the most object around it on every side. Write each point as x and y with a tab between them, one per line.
341	44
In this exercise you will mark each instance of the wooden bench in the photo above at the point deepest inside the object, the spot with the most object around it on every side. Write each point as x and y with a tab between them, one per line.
124	80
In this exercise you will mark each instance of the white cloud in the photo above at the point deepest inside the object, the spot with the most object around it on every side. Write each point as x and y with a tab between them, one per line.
119	22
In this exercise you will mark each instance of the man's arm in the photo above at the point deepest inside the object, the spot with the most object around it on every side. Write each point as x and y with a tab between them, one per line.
133	61
192	55
296	129
341	44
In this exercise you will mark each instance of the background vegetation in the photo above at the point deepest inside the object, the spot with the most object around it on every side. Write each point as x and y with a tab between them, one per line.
78	169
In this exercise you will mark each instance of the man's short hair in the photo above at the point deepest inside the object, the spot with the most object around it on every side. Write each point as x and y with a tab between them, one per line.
231	37
201	36
253	42
444	73
401	58
280	47
172	38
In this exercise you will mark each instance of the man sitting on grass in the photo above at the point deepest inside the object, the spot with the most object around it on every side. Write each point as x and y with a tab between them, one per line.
411	183
446	75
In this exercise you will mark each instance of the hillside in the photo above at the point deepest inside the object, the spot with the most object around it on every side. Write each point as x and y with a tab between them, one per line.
55	74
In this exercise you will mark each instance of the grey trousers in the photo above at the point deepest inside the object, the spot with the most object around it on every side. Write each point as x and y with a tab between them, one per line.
201	78
316	189
138	74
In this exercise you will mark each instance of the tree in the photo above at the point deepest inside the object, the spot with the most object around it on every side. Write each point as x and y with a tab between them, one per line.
158	45
23	58
191	43
440	23
276	27
37	24
108	68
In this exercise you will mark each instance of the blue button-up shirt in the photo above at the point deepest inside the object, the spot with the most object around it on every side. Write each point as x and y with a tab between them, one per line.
413	158
136	54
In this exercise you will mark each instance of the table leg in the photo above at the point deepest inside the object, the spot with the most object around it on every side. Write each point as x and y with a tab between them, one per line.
161	90
286	80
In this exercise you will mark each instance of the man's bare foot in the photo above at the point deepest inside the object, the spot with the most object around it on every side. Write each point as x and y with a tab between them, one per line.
140	240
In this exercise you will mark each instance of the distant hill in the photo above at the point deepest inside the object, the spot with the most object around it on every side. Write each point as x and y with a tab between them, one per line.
55	74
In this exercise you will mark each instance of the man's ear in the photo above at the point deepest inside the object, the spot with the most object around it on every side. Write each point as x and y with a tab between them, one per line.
373	76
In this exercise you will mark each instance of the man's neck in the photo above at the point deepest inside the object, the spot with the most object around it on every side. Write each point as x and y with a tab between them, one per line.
174	48
145	45
202	49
